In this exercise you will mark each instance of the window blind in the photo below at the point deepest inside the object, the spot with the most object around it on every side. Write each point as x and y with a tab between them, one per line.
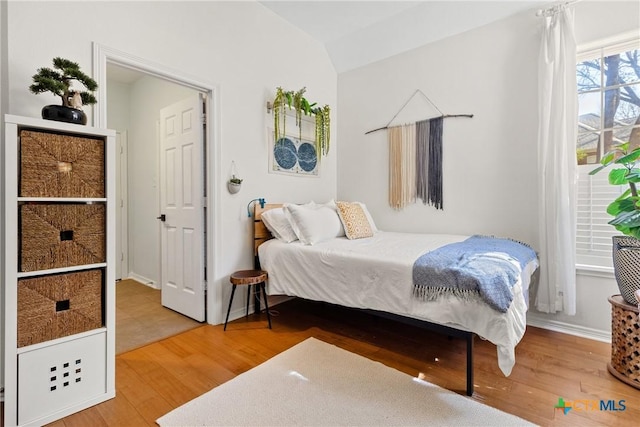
593	236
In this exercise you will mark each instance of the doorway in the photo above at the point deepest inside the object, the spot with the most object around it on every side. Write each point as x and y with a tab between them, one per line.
137	108
119	70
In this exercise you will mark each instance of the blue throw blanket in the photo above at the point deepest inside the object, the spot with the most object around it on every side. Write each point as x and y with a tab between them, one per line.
479	265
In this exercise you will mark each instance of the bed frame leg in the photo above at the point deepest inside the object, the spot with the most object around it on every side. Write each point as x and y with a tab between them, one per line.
470	364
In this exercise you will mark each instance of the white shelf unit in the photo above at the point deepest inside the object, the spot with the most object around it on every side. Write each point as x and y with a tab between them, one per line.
48	380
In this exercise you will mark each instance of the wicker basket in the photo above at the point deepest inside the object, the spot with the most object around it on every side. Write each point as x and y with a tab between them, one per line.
61	235
625	341
59	305
54	165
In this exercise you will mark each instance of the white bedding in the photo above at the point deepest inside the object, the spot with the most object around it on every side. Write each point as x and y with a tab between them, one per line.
376	273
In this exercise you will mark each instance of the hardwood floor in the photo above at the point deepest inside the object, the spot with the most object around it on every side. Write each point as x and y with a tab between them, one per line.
141	319
154	379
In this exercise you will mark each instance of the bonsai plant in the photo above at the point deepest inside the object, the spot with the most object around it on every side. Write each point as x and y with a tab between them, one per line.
626	212
301	105
58	81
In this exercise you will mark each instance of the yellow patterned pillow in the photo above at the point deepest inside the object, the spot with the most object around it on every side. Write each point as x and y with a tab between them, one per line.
354	220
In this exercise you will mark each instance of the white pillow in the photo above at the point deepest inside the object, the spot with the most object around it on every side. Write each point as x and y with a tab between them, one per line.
277	223
332	204
314	224
369	217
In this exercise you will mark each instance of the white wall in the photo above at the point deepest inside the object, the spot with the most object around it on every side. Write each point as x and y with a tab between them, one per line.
241	48
118	105
489	167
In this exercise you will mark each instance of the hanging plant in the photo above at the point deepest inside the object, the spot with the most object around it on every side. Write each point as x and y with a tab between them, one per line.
322	130
301	106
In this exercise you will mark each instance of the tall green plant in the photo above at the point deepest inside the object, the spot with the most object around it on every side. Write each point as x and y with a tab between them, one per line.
626	208
296	100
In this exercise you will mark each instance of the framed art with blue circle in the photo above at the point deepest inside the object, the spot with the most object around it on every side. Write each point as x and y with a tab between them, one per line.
293	155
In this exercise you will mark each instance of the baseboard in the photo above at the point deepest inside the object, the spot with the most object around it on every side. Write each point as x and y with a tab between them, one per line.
278	299
570	329
274	300
143	280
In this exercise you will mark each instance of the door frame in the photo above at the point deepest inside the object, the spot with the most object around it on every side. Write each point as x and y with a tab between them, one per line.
101	56
122	207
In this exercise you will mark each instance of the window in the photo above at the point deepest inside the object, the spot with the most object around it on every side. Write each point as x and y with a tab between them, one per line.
608	81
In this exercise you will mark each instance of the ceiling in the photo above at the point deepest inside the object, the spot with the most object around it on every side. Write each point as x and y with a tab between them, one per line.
357	33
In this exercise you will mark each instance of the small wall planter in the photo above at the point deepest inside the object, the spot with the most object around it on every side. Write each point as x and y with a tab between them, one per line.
234	184
233	187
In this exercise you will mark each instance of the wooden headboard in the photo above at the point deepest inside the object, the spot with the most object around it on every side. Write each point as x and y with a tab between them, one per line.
260	232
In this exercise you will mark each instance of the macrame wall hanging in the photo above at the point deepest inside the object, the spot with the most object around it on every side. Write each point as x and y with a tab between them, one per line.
415	159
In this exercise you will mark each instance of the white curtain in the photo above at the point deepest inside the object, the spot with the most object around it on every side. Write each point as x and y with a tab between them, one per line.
557	165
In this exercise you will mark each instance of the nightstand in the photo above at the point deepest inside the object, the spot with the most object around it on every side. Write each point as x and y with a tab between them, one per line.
256	278
625	342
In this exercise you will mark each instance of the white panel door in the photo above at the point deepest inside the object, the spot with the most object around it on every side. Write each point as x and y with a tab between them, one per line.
182	207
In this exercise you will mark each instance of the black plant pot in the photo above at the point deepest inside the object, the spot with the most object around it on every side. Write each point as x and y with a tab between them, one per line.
60	113
626	265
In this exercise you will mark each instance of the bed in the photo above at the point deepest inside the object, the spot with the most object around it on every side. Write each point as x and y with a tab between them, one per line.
376	274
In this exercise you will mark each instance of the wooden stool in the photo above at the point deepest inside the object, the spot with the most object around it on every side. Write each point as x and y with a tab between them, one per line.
249	277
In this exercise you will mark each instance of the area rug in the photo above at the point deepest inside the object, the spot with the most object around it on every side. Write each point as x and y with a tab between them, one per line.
319	384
